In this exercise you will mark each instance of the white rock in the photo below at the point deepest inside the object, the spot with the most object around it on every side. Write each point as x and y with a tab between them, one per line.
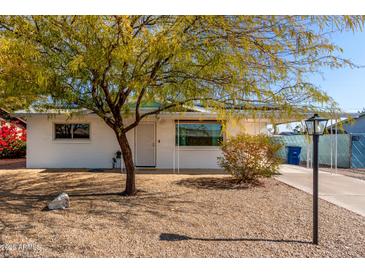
62	201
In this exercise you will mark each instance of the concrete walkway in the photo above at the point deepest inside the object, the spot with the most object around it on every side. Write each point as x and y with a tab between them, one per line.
338	189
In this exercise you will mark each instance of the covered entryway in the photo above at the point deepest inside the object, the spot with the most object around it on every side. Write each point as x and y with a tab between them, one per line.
145	145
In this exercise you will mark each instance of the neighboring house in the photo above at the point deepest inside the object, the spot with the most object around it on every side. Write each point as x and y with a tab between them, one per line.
8	118
356	128
354	125
169	140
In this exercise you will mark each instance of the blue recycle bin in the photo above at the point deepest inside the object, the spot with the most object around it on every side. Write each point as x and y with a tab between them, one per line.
293	155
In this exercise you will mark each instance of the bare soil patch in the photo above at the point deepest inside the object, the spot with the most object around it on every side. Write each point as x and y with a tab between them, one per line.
12	163
172	216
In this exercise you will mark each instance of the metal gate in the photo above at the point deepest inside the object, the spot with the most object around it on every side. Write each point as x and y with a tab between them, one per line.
358	150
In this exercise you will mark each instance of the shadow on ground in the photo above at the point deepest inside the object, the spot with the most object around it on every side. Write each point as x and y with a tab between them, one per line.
146	171
224	183
81	170
12	163
171	237
23	216
270	221
24	197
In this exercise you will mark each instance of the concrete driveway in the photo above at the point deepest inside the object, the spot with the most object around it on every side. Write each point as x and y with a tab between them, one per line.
338	189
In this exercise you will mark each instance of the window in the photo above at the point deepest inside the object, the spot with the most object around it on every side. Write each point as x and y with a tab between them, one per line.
198	134
72	131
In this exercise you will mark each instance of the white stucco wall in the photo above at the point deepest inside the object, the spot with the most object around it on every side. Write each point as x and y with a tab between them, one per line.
43	151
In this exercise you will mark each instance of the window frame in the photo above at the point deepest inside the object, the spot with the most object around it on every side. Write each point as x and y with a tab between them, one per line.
73	140
197	147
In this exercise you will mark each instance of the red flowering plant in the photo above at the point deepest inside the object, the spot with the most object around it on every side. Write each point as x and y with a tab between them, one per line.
12	140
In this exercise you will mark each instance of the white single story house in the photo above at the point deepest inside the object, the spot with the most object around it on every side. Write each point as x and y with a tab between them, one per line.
169	140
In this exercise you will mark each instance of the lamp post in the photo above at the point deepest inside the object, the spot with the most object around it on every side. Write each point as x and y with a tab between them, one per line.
315	126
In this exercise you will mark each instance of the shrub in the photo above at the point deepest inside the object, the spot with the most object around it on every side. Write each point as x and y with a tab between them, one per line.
12	141
250	157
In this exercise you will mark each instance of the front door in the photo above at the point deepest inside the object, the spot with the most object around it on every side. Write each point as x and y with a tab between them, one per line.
145	145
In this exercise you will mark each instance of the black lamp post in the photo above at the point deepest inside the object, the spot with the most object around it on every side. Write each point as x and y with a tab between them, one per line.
315	126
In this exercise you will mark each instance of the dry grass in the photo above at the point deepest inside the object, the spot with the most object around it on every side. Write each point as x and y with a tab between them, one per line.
172	216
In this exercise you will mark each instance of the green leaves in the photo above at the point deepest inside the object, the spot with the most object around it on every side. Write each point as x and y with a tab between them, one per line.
77	64
249	158
225	62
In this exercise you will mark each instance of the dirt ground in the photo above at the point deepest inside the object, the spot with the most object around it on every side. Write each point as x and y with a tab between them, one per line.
12	163
184	215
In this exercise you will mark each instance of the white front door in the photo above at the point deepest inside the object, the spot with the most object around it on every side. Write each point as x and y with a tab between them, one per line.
145	145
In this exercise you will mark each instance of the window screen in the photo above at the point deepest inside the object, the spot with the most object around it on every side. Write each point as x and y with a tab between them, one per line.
198	134
72	131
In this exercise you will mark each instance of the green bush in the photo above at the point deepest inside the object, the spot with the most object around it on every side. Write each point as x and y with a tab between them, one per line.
250	157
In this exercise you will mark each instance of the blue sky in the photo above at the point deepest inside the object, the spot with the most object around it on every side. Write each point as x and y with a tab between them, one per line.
346	85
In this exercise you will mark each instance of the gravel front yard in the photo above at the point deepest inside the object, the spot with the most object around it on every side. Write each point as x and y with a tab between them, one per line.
172	216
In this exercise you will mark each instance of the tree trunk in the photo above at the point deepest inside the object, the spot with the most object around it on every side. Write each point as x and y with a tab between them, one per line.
130	184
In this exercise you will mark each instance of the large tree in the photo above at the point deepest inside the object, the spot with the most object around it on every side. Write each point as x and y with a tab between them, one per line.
113	65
